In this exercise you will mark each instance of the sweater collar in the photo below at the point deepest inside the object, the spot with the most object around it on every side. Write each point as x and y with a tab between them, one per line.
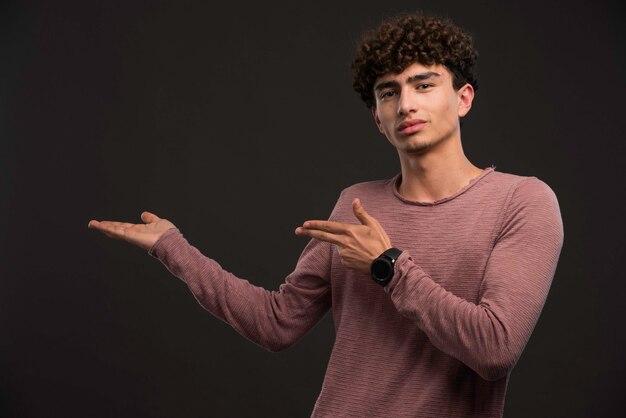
395	181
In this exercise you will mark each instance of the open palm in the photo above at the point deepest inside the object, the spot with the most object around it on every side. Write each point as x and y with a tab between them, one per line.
142	235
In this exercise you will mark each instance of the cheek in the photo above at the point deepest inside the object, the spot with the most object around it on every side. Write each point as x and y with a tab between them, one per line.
380	126
386	128
385	122
450	111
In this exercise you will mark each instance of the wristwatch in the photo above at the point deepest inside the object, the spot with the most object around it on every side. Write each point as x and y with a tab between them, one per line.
382	266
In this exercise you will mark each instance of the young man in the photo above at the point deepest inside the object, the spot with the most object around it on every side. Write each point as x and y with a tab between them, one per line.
436	288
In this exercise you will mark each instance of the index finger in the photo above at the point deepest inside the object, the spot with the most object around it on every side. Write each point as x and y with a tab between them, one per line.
328	226
321	235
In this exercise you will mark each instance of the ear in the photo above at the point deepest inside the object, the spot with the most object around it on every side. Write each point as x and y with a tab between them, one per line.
376	120
466	96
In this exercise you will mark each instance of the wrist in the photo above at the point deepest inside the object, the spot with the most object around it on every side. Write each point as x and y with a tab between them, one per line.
382	268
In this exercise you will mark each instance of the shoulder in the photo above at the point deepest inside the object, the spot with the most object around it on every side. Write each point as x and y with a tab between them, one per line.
530	191
520	189
531	202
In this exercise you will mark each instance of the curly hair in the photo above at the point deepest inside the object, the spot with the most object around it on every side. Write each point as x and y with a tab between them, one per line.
408	39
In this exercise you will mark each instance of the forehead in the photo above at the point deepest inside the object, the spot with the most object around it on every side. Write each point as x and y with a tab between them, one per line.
412	70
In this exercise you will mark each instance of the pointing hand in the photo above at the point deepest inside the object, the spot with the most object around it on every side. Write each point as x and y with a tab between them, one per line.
358	244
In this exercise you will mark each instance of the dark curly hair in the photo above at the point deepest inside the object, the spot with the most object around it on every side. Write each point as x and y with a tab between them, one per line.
408	39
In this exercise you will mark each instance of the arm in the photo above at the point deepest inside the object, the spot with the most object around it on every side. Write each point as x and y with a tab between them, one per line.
489	336
273	319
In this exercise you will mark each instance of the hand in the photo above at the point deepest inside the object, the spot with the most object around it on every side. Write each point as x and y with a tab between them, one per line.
358	245
142	235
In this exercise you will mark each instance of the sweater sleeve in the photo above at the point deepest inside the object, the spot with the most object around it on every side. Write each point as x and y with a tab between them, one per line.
489	336
272	319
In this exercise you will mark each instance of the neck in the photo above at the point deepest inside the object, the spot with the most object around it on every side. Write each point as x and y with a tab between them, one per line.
436	174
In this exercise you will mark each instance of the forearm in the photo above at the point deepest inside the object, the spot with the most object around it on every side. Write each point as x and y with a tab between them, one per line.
489	332
475	334
271	319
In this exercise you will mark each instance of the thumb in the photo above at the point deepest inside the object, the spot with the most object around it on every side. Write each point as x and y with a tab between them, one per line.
360	212
149	218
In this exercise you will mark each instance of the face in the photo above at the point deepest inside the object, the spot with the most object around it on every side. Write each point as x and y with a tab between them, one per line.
418	109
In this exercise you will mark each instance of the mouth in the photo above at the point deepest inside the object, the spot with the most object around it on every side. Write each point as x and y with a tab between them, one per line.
411	126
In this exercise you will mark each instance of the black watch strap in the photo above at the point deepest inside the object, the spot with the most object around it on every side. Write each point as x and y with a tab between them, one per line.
382	267
392	253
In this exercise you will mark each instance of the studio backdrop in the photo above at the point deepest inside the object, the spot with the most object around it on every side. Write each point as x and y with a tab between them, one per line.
238	122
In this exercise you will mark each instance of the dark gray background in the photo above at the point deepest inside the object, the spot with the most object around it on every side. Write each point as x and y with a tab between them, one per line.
238	123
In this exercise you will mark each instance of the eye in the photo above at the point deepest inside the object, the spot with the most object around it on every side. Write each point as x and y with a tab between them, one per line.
387	94
424	86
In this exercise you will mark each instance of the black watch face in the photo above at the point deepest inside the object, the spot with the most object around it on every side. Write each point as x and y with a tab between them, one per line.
381	269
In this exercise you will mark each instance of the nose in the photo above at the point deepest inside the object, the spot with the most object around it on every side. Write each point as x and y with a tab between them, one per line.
406	103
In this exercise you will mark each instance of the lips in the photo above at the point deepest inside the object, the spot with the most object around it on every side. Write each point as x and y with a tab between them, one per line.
411	126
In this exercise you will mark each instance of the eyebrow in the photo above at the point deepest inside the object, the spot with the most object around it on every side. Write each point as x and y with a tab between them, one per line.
414	78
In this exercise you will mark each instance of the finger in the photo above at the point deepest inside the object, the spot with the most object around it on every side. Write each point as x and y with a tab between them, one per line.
360	213
111	235
148	217
112	224
99	225
116	229
328	226
321	235
111	231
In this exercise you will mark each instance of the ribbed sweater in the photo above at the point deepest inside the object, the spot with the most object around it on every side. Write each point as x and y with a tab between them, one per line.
441	339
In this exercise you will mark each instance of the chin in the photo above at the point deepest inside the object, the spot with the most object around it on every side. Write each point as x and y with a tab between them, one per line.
418	148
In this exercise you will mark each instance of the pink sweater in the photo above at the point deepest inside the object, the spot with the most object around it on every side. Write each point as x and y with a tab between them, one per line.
441	338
